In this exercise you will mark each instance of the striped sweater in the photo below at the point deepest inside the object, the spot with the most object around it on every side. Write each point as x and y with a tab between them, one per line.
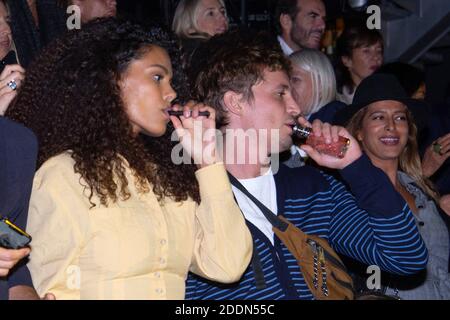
372	224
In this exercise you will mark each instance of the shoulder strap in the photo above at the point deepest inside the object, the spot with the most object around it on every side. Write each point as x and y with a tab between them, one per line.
270	216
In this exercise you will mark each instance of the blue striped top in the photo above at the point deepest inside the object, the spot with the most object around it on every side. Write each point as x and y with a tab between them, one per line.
372	224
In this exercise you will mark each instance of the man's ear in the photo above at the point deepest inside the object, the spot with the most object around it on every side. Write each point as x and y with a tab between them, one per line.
285	22
232	102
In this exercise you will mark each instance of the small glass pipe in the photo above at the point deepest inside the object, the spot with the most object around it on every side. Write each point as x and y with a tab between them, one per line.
334	149
180	113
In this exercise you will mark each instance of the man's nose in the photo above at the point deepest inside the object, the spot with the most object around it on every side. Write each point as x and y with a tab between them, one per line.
321	24
292	106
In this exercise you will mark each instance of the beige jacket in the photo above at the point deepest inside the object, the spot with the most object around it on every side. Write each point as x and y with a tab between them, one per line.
134	249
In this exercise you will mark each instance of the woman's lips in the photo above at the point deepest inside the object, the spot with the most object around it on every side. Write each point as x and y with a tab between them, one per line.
390	141
166	114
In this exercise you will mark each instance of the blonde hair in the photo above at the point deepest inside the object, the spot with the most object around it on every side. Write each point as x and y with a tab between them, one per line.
409	160
184	23
323	79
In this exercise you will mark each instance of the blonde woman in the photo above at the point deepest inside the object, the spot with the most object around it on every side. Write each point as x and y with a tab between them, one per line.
314	85
382	122
196	21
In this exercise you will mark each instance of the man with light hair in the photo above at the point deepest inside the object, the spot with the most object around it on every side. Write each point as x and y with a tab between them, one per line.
301	24
245	78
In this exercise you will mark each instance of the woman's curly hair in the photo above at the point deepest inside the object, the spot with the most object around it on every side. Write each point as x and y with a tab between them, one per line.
71	99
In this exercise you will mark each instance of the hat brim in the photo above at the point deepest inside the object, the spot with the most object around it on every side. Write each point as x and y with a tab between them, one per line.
416	107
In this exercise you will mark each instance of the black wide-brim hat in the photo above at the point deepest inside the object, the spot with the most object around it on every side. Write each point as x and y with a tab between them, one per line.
381	87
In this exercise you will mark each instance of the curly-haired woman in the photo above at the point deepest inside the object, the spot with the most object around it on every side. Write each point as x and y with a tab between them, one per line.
111	215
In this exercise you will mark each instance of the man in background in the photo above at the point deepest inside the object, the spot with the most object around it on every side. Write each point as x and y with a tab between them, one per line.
301	24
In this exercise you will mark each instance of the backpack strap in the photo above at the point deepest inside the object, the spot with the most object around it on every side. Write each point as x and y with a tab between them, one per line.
258	270
270	216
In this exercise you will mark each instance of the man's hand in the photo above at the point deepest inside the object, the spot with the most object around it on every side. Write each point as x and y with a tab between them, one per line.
330	134
10	257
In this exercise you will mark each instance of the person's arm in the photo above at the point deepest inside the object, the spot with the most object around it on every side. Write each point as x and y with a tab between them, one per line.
373	223
57	219
18	152
223	244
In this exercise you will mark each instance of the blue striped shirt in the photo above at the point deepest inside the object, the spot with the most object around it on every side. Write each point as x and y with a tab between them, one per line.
372	224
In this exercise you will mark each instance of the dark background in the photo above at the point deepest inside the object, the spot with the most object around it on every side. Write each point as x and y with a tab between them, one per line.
253	13
258	14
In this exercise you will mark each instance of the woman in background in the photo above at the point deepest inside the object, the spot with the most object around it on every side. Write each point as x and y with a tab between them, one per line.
382	122
359	53
195	21
314	85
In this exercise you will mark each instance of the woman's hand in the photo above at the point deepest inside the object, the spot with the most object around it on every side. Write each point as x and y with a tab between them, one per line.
10	257
331	134
11	79
197	133
434	158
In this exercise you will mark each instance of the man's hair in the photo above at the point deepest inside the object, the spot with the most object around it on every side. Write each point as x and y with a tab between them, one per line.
288	7
235	61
